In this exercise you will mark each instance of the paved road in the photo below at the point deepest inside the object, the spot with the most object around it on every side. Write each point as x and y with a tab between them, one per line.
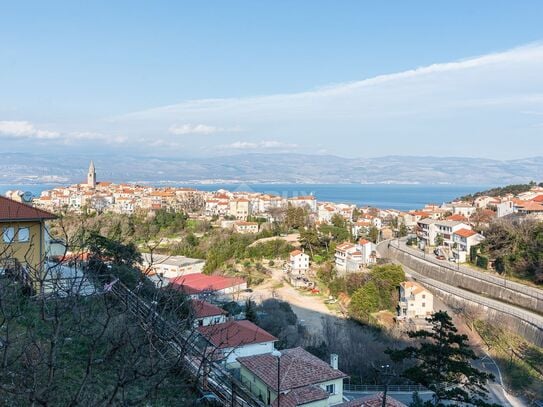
521	313
490	277
497	393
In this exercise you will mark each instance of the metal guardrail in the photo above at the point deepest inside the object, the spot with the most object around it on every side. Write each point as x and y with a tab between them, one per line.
511	285
229	390
530	318
367	388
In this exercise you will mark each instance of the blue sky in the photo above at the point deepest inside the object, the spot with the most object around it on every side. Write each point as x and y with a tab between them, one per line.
350	78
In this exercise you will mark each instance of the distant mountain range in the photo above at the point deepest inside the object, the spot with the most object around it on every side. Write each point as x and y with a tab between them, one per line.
16	168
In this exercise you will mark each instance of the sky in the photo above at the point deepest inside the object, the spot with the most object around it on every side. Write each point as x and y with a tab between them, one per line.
208	78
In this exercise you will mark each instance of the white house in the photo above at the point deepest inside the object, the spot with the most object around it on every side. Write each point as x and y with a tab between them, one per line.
245	227
429	229
415	300
351	257
505	208
304	201
361	227
304	379
463	209
233	339
206	314
170	267
298	262
464	240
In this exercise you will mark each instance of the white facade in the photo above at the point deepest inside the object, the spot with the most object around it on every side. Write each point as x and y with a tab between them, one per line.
504	209
170	267
351	257
231	354
298	262
415	300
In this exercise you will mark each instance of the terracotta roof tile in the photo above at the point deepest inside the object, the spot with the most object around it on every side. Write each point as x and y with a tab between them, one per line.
11	210
202	309
299	368
233	334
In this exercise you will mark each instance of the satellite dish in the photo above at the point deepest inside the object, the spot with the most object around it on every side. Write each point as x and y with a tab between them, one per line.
27	196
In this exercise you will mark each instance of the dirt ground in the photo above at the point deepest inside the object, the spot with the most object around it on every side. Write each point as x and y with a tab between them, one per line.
310	309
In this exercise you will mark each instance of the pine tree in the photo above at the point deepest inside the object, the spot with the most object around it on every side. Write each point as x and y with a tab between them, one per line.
443	364
250	310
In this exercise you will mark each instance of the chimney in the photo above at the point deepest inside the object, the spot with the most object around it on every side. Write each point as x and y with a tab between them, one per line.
334	360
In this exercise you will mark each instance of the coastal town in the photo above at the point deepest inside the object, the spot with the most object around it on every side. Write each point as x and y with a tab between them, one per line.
453	227
447	235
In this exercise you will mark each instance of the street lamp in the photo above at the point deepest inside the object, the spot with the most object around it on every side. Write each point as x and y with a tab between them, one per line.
385	368
277	354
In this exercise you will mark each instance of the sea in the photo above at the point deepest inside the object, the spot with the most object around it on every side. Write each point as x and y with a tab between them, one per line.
385	196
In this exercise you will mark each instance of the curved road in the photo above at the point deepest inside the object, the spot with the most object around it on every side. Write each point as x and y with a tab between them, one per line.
521	313
497	392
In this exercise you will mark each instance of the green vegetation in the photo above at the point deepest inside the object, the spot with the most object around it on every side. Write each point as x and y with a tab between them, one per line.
370	292
520	362
516	249
80	350
378	293
442	356
502	191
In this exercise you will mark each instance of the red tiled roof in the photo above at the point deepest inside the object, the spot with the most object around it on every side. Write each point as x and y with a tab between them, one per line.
232	334
457	217
196	283
11	210
375	400
465	232
202	309
363	242
344	246
295	252
538	198
299	368
300	396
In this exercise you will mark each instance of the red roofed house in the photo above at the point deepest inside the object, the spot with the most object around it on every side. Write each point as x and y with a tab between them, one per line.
234	339
206	314
195	285
415	301
352	257
463	241
304	379
298	262
24	239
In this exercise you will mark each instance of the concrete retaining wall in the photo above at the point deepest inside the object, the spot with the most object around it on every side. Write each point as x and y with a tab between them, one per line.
529	332
464	281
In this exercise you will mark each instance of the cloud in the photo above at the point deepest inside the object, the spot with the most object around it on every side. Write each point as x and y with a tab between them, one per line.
24	129
186	129
472	101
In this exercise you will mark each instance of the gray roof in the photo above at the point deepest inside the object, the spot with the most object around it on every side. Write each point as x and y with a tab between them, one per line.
178	261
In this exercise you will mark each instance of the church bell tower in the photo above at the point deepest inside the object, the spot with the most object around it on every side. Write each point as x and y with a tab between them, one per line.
91	176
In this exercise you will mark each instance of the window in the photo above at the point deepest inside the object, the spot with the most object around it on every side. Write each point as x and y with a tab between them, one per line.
423	305
331	388
8	234
423	296
23	235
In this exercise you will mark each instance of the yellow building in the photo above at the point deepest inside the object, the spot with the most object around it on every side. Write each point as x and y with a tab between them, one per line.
305	380
23	239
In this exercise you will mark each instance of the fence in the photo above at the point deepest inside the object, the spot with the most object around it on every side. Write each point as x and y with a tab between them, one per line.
481	275
369	388
228	390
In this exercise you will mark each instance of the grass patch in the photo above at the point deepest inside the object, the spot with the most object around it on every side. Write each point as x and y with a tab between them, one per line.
520	362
